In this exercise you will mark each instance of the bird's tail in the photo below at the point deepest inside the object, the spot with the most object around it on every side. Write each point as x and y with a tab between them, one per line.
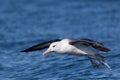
101	60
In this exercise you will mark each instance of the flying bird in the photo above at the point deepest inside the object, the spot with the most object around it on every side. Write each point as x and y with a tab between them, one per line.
85	47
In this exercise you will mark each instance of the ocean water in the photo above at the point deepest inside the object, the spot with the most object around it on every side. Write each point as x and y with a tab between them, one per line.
24	23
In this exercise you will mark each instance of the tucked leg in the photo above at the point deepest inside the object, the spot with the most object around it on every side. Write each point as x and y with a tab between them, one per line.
93	62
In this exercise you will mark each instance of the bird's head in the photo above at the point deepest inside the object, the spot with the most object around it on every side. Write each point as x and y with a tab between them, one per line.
54	47
59	47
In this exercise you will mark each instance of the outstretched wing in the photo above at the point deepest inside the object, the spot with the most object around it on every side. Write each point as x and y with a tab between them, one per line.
94	44
40	46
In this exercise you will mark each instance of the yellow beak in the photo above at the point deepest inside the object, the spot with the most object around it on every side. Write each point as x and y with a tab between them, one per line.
46	52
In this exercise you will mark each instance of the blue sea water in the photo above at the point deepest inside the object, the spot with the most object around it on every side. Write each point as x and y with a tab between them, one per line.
24	23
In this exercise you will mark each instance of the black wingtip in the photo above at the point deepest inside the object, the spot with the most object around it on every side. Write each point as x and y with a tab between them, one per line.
22	51
26	50
33	48
103	49
106	50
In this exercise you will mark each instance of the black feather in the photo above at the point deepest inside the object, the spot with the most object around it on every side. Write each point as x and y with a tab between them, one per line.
40	46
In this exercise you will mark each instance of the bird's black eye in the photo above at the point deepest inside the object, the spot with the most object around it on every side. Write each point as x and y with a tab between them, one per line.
53	45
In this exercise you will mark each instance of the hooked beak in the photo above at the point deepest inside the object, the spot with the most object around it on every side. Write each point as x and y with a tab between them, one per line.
46	52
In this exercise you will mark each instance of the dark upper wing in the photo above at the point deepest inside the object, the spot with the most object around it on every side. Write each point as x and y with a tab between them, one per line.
40	46
94	44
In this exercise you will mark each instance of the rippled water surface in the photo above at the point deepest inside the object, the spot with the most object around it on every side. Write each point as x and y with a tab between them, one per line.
27	22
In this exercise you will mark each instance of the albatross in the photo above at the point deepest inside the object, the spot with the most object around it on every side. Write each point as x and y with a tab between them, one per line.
85	47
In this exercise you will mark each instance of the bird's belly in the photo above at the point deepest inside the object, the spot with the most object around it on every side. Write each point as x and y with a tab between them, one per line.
80	50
